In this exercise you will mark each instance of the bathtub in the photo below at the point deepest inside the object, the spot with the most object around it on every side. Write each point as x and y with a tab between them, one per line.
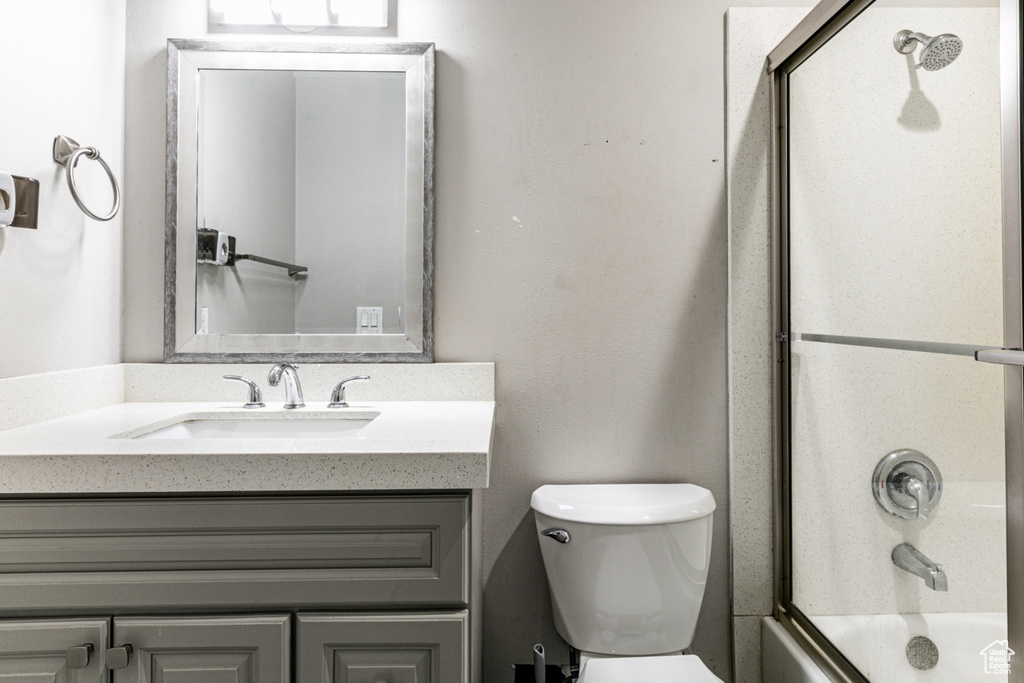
969	647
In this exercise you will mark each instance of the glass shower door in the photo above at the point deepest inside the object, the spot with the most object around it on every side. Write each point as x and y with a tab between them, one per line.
896	446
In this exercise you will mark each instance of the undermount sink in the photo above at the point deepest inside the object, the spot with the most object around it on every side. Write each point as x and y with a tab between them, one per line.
262	428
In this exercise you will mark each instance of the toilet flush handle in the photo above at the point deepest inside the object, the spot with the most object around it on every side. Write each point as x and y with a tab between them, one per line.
560	535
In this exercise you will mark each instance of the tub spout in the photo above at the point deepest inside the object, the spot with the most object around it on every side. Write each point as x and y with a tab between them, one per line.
909	558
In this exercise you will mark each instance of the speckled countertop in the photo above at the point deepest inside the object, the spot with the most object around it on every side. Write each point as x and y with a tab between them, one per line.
409	445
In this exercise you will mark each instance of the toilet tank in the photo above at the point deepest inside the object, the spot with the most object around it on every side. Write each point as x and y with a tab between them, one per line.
630	579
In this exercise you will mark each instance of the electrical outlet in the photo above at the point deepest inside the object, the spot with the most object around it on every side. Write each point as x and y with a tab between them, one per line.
370	319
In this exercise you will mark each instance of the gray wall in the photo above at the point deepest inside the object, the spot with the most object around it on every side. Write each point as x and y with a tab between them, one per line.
581	246
350	189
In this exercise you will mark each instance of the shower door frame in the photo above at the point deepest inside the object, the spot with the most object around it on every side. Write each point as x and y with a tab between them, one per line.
821	23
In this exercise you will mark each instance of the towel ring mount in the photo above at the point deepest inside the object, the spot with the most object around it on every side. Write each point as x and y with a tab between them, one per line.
67	152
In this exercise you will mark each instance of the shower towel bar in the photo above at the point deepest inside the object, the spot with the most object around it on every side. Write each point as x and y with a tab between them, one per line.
293	269
218	248
1000	356
66	152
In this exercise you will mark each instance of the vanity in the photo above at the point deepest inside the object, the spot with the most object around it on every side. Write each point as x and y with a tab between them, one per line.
302	557
157	525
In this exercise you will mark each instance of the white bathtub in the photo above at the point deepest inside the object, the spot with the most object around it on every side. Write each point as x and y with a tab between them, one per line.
877	645
782	660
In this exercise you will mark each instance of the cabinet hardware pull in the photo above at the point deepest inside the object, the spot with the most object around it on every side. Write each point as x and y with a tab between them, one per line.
117	657
77	657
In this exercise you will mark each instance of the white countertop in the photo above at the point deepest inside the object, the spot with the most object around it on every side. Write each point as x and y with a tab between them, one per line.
409	445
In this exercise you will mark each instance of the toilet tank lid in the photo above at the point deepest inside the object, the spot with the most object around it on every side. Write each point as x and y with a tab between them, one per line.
626	504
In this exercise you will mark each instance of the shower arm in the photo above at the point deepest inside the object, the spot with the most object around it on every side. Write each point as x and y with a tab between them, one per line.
919	37
904	40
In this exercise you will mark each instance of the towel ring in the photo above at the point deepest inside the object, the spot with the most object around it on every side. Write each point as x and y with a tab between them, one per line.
66	152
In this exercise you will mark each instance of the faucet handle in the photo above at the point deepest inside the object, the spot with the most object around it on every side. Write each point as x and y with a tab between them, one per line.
913	487
907	484
338	395
255	396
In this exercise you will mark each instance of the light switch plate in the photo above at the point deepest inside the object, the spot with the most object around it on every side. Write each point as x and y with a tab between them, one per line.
370	319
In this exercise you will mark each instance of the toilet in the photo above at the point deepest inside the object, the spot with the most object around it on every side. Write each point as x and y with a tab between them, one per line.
626	565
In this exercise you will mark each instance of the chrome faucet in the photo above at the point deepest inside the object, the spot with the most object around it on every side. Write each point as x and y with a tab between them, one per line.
292	388
909	558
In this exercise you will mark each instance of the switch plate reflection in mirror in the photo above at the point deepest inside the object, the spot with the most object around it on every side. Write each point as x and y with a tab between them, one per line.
370	319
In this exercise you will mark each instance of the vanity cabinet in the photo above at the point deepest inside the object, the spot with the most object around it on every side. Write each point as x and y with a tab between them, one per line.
213	588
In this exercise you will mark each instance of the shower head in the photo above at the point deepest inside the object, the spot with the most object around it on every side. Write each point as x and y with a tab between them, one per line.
938	52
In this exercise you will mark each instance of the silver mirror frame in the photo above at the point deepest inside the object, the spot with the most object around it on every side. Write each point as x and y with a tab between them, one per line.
181	344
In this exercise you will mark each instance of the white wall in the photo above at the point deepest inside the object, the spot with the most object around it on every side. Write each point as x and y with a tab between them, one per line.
60	285
580	246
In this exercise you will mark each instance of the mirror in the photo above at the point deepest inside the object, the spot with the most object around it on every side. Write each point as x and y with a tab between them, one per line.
299	219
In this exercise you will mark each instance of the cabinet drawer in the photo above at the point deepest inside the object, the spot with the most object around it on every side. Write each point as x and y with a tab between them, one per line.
204	553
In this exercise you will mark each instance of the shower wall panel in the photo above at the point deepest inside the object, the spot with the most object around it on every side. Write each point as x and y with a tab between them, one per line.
751	33
895	184
853	406
896	234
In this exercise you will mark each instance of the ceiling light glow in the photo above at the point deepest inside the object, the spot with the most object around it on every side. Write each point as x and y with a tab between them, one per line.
301	13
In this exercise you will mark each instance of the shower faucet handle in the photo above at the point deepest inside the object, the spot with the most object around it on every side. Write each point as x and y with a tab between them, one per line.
913	487
907	484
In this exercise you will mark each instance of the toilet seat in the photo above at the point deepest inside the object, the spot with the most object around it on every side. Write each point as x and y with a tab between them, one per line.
665	669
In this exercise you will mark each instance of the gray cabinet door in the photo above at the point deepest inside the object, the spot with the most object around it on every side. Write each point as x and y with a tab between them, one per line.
397	648
36	651
244	649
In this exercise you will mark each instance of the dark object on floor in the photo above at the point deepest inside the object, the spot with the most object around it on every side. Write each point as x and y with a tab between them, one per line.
525	674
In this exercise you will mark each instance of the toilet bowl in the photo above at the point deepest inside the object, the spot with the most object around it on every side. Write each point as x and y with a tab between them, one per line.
664	669
626	567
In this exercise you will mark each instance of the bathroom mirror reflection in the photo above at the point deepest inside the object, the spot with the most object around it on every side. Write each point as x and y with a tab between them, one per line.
299	216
